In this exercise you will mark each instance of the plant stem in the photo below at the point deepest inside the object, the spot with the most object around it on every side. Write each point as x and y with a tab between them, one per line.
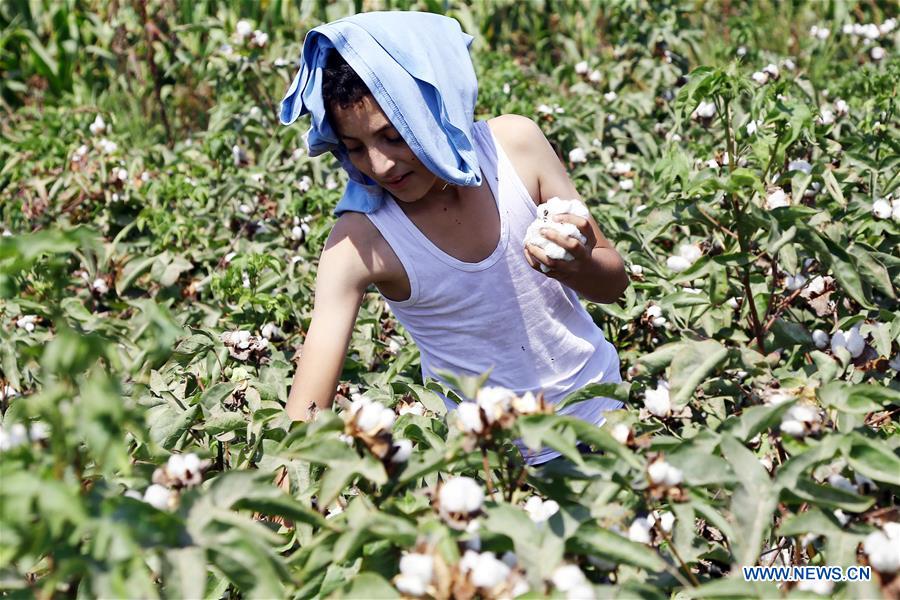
758	332
487	473
687	571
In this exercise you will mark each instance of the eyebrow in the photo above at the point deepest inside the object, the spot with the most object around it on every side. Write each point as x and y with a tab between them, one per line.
348	137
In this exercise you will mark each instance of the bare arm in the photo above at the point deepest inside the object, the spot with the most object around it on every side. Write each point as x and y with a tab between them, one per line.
340	285
603	279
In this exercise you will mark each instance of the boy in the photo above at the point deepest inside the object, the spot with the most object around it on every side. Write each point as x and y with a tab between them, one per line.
446	257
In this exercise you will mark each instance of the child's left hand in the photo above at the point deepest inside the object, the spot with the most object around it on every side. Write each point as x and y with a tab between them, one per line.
581	253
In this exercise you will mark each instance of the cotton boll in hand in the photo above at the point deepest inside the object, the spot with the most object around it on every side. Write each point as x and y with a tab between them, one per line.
545	212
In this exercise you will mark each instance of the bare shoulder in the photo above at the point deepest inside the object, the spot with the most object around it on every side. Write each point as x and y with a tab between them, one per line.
526	146
365	252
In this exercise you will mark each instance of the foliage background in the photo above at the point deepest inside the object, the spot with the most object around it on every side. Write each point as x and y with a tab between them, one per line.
198	214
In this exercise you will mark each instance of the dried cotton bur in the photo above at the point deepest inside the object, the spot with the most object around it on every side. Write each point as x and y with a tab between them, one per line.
494	409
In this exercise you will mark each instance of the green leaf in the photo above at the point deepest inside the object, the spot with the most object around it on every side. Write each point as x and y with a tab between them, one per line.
814	520
224	421
826	495
367	586
753	502
754	420
857	399
617	391
593	540
691	366
873	459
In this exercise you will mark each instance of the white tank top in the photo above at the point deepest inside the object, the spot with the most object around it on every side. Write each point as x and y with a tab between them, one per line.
499	312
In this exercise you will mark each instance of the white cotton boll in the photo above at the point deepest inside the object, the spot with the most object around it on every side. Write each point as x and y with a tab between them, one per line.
260	38
595	76
567	577
636	269
461	495
826	117
883	550
582	67
851	341
238	155
620	168
243	29
627	184
107	146
667	521
777	198
26	322
800	165
817	285
271	331
410	586
772	71
662	473
760	78
621	432
577	155
653	311
416	408
690	252
794	282
705	110
540	510
803	413
489	572
788	64
176	466
100	286
98	126
841	482
507	89
793	428
403	450
753	126
417	569
469	417
245	279
882	209
822	587
610	96
525	404
305	184
639	531
158	496
12	437
369	417
877	53
544	109
297	233
678	264
657	471
657	401
820	339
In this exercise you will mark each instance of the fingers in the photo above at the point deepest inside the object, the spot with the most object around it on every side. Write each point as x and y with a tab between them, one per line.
583	225
537	257
569	244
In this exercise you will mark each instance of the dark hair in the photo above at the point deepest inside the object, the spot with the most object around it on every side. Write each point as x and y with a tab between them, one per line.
341	86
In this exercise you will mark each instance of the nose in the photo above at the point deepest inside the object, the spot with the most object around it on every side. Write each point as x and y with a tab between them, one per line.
380	163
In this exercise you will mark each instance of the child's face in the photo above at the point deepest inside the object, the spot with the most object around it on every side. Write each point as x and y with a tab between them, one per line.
378	150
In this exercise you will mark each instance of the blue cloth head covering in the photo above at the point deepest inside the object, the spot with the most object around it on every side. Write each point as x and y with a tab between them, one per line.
418	69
